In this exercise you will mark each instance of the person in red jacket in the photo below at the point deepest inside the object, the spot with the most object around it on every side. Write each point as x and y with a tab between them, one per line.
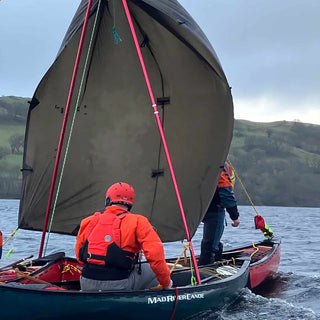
108	244
213	221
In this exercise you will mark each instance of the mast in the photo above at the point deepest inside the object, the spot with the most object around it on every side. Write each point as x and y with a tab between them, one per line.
163	139
63	129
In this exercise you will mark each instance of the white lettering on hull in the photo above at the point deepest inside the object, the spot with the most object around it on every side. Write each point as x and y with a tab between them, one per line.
165	299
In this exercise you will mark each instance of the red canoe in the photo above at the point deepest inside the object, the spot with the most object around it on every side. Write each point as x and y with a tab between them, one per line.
265	259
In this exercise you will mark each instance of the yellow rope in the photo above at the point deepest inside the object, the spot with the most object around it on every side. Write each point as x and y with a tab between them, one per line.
185	247
183	253
257	249
243	187
11	235
22	266
70	268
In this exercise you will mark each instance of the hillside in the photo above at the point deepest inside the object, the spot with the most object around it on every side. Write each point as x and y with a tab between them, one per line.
278	162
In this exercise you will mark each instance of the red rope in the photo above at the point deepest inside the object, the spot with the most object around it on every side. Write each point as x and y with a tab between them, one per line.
156	113
175	303
63	129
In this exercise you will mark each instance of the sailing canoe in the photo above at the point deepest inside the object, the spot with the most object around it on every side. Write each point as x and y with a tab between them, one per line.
109	134
265	259
48	288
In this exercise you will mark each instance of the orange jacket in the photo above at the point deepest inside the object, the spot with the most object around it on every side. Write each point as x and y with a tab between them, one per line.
136	233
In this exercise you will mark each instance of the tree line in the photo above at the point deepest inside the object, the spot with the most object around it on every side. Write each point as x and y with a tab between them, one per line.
278	163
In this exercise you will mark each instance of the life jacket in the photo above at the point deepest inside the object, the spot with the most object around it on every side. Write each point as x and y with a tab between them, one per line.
102	245
226	180
227	177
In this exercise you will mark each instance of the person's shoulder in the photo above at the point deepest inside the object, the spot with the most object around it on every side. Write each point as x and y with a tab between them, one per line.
138	217
89	218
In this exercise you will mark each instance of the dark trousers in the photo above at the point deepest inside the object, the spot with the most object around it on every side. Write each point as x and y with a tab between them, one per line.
213	227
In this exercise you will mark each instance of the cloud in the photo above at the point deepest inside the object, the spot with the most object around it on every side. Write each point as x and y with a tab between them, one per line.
269	50
265	109
32	32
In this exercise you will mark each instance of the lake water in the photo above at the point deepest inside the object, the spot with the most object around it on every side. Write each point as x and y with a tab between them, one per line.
294	293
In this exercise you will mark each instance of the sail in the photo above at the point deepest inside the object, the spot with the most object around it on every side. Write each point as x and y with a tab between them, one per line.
111	129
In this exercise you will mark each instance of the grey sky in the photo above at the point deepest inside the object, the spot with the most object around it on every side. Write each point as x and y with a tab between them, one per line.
269	50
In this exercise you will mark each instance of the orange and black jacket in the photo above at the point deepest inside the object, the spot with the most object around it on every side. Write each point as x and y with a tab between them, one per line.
224	195
136	233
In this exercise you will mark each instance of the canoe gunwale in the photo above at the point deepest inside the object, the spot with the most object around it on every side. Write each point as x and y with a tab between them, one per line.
207	282
274	248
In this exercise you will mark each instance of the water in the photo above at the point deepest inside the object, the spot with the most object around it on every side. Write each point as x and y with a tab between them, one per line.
294	292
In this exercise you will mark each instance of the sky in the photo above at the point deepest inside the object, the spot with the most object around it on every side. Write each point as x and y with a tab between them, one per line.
269	50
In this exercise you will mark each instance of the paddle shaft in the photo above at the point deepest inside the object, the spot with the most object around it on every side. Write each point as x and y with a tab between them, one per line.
21	274
16	262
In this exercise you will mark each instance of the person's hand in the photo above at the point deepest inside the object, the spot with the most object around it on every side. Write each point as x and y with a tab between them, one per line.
160	287
170	285
235	223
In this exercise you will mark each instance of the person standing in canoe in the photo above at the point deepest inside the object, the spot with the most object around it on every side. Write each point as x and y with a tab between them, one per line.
213	221
108	244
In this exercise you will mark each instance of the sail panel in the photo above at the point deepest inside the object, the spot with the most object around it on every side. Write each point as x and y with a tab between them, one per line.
114	134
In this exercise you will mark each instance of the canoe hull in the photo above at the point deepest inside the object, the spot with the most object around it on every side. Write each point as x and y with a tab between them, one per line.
32	301
263	266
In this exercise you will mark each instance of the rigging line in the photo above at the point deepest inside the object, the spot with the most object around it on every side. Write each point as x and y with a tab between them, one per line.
145	43
73	121
13	233
156	113
63	129
185	247
116	36
243	187
176	295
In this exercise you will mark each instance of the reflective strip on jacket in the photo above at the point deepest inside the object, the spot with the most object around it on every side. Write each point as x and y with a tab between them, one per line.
227	177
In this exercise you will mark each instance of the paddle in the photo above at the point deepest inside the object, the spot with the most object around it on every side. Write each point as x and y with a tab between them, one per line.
16	262
21	274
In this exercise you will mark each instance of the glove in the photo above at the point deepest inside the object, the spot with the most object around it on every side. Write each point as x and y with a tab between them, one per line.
170	285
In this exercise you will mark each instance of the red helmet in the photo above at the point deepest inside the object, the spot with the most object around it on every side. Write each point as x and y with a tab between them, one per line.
120	192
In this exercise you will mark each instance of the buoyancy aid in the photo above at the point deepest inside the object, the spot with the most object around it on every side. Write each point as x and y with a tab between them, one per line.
227	177
103	239
226	181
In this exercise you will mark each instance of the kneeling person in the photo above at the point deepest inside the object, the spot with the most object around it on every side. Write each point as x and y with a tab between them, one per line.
108	242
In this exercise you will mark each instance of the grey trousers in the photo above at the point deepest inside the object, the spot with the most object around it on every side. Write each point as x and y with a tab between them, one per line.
146	280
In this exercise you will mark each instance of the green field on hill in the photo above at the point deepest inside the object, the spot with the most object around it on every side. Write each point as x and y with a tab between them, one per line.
277	162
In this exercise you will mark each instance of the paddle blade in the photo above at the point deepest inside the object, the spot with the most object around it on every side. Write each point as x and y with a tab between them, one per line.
261	225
